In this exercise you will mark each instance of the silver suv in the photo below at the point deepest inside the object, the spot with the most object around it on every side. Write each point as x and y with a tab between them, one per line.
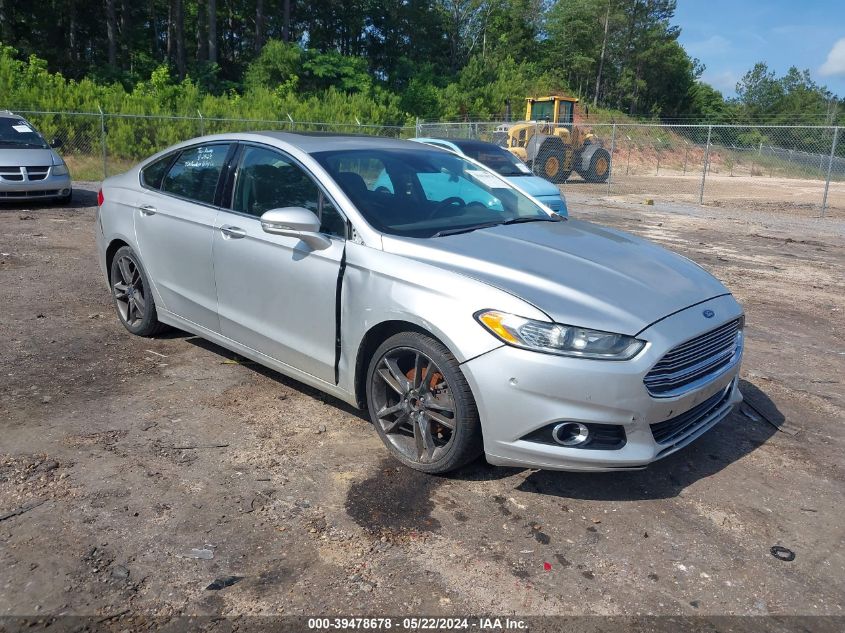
29	168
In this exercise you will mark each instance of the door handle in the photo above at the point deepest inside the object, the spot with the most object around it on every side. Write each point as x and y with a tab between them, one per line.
147	209
233	232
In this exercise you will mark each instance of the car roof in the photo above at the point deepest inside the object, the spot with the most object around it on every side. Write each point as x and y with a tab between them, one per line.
468	143
314	142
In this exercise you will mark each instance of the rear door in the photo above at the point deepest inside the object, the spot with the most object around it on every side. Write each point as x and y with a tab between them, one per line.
275	294
174	227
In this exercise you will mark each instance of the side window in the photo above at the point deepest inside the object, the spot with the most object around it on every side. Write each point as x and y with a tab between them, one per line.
331	221
152	174
195	173
268	180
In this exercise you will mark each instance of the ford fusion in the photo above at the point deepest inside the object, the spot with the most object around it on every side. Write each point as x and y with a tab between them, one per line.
465	316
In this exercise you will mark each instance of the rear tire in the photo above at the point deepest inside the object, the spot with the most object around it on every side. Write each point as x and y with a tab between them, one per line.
421	405
131	294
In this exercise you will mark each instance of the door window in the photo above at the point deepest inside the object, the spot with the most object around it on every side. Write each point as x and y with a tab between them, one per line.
152	174
268	180
195	173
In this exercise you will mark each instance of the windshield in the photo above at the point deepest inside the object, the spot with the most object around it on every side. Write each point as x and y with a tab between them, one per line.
496	158
425	192
18	133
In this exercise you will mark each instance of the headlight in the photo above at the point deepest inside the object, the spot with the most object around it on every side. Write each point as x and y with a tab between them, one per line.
60	170
552	338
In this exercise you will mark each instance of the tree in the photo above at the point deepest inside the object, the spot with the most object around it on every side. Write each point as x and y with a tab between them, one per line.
759	91
277	67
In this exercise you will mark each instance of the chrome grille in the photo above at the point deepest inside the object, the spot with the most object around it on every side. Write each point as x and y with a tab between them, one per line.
694	361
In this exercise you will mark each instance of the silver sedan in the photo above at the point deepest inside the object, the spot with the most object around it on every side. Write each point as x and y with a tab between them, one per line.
462	313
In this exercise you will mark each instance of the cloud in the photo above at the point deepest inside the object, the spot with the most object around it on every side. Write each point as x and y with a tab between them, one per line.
724	81
835	63
715	45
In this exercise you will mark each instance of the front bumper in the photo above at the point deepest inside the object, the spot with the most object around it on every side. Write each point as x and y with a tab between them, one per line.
520	391
21	187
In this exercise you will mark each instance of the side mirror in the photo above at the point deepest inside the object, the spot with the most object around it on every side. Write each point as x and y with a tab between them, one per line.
295	222
56	143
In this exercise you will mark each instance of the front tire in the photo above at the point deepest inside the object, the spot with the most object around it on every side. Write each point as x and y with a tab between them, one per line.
551	160
131	294
599	168
421	404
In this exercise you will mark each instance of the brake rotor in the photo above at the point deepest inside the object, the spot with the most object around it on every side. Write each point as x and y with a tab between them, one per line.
436	377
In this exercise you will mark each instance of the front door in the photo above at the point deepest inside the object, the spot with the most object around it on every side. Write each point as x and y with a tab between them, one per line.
174	227
274	293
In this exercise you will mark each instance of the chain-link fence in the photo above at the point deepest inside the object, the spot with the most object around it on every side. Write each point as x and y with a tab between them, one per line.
798	168
96	145
792	168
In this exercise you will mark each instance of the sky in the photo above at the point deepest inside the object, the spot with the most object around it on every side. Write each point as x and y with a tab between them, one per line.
729	37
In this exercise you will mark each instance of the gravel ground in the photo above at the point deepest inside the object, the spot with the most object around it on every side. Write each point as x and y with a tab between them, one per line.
142	470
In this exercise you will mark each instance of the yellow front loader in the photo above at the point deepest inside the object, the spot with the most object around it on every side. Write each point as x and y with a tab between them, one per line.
552	145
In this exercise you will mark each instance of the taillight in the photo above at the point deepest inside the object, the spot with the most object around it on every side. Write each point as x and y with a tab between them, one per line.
100	198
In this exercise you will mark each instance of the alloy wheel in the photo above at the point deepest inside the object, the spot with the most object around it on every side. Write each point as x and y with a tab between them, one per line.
414	405
129	291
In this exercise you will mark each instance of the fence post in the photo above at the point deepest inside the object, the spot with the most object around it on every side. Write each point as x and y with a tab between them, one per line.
612	150
686	155
202	123
706	161
829	168
418	128
103	139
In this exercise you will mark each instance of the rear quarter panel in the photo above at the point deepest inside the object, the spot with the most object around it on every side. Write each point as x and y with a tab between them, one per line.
116	215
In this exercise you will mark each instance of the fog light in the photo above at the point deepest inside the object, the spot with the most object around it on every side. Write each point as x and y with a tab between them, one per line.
570	433
64	192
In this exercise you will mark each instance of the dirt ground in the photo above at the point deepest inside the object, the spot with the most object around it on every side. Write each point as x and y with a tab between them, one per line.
137	471
800	197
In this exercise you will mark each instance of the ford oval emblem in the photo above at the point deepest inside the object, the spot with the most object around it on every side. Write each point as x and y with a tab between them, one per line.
708	314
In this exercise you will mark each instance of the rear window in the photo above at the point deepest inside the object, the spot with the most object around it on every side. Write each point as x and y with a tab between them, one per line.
496	158
196	172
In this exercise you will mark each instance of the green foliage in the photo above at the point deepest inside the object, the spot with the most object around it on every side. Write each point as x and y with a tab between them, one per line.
482	89
377	61
344	72
278	67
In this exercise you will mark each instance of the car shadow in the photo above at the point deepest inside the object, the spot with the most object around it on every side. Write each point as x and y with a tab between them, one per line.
728	442
82	199
273	375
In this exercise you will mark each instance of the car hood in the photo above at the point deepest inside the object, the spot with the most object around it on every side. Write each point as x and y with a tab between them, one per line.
30	157
576	272
534	185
